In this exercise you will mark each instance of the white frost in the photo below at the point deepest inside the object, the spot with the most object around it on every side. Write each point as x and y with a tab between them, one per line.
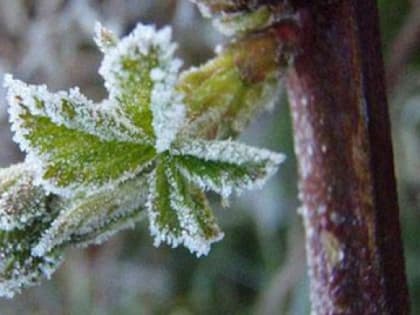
104	38
166	104
238	155
191	235
71	109
21	202
94	219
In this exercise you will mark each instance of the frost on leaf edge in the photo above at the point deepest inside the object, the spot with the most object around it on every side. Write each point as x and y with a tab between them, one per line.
232	152
37	159
167	107
189	237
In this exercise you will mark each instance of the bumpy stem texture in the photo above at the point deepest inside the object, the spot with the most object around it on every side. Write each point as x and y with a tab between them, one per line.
343	146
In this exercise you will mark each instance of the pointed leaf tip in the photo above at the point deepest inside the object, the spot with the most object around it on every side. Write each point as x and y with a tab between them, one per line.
141	71
73	147
93	219
180	214
226	166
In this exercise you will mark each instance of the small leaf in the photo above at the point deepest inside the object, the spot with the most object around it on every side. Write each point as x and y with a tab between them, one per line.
95	218
21	202
224	94
164	223
67	158
100	234
140	72
18	268
74	111
225	166
178	213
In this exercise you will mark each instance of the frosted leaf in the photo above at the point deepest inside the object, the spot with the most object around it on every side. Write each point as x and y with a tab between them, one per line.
74	111
67	160
18	268
116	224
21	202
179	213
140	72
167	108
225	166
93	219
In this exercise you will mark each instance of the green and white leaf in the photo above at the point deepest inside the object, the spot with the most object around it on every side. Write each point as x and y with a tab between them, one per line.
21	202
178	212
137	150
100	234
140	72
225	166
18	268
95	218
67	158
74	111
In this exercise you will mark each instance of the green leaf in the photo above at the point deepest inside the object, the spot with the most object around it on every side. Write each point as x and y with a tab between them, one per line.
140	72
178	213
224	94
95	218
18	268
21	202
74	111
225	166
68	159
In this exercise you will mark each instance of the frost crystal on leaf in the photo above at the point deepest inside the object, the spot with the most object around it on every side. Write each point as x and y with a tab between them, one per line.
140	72
18	268
179	213
224	166
139	151
64	148
20	201
95	218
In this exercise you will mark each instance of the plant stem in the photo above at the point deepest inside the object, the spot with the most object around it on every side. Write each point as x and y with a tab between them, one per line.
343	146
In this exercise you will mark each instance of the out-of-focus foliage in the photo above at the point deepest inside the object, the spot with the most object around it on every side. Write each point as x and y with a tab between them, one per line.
258	267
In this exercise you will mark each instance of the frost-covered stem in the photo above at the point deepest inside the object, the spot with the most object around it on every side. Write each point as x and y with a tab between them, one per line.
343	145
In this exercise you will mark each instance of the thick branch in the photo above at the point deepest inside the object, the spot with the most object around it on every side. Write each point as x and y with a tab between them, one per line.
342	142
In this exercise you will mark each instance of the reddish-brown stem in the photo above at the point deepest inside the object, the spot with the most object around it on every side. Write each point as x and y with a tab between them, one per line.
343	147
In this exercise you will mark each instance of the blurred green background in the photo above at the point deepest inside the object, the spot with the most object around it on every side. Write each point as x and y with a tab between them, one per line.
259	268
